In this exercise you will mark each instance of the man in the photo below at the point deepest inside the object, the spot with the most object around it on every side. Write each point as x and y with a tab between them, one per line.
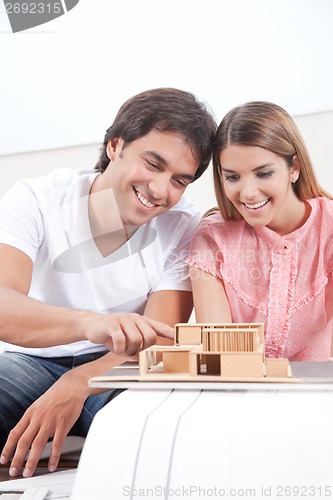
92	269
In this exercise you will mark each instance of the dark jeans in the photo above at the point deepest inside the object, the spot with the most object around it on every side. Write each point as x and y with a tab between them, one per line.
24	378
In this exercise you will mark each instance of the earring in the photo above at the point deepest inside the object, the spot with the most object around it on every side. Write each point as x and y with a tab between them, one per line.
293	180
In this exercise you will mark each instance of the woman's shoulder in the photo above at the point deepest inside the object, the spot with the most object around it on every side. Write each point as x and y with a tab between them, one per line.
325	204
323	209
212	217
215	222
214	230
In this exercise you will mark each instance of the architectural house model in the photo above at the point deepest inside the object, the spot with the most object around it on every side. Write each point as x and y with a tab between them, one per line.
201	353
213	352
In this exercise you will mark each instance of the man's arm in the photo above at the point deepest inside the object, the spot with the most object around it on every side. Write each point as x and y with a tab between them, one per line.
54	413
31	323
52	416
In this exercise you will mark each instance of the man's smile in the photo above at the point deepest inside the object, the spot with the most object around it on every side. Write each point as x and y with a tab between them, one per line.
143	200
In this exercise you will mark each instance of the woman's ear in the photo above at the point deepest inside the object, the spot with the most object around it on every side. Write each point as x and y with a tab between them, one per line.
115	144
295	169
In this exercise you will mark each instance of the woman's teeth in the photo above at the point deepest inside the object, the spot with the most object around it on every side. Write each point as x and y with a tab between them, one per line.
256	205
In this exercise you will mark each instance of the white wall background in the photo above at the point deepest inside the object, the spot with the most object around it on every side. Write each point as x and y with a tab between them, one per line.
62	83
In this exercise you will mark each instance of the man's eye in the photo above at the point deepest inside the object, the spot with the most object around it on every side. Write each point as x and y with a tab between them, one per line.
153	165
180	183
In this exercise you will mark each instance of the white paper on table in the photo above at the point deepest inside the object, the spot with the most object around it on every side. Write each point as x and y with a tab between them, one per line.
60	484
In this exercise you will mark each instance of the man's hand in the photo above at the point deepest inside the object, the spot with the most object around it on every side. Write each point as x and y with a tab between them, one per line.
125	334
52	415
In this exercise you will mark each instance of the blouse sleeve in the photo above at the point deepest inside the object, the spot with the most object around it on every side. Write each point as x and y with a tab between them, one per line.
204	252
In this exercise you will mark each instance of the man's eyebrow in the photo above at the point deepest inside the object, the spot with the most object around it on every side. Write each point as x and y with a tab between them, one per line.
157	157
162	161
260	167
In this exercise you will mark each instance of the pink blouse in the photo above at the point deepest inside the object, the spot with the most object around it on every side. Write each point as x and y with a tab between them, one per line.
285	282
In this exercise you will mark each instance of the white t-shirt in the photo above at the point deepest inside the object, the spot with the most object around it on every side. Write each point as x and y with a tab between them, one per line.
47	218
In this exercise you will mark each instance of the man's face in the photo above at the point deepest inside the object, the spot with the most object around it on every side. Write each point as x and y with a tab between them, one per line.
149	175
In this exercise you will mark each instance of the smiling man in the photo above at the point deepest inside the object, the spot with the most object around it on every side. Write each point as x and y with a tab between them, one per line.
92	267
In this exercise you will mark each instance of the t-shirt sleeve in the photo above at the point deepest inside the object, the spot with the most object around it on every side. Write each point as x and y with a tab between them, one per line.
176	270
204	252
21	222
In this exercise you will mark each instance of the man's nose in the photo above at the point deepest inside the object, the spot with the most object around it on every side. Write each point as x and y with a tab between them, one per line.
158	188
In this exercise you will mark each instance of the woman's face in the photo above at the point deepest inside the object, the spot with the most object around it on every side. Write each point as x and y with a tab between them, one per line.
259	184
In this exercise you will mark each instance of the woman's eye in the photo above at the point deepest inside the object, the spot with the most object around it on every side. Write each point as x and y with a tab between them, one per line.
265	174
232	178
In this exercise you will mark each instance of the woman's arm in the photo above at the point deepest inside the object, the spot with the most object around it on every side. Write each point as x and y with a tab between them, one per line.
211	303
169	307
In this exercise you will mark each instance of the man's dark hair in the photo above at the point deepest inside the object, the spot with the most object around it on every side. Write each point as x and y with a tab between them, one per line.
164	110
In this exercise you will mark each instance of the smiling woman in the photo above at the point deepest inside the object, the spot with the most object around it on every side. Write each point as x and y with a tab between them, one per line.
267	255
259	183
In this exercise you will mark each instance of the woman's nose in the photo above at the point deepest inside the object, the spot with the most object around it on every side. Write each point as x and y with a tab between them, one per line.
249	189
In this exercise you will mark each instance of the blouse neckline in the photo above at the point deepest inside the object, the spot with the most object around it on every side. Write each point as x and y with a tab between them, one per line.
288	240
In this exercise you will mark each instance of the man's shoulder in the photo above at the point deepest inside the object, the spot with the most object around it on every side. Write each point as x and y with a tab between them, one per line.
185	207
58	184
59	178
181	219
184	212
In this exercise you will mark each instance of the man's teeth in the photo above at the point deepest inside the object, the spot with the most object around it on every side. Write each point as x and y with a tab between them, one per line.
256	205
144	200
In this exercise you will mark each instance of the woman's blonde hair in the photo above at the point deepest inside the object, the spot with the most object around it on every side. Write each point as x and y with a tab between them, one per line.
267	126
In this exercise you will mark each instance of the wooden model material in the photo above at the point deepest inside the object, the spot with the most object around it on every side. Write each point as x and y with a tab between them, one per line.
232	352
214	352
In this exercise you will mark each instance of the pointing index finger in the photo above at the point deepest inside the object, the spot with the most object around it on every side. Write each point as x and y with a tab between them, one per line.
163	330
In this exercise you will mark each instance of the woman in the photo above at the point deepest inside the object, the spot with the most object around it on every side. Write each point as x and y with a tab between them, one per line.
267	256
